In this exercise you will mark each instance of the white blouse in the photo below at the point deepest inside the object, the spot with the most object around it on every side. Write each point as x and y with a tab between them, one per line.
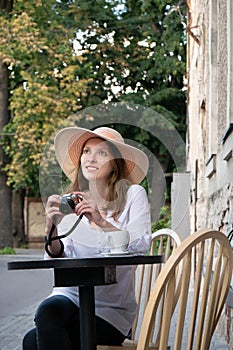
114	303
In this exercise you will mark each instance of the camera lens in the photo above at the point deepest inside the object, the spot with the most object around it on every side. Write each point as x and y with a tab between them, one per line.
67	205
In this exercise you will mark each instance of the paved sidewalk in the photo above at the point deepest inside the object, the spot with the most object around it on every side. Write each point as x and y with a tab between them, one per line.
12	329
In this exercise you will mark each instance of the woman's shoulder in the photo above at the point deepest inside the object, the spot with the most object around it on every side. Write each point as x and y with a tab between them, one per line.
137	197
136	189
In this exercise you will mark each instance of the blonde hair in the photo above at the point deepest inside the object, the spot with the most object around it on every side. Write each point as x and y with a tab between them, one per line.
117	183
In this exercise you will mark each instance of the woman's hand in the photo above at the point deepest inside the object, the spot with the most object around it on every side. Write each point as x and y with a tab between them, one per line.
52	212
90	209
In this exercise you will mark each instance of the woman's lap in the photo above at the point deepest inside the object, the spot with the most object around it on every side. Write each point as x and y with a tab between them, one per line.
57	322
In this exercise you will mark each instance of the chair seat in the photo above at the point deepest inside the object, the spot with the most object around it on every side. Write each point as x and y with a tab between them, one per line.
126	346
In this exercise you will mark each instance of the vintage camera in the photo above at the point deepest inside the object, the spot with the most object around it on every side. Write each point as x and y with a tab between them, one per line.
68	203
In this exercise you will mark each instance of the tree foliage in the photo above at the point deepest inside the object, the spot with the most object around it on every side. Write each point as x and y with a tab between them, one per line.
5	191
64	56
46	82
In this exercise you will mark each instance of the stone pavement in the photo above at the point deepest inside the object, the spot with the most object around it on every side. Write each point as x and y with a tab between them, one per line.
14	327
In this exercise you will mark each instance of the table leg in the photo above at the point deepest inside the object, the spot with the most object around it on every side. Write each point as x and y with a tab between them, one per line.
87	318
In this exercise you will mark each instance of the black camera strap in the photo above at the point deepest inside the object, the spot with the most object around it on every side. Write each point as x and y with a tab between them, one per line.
50	239
230	235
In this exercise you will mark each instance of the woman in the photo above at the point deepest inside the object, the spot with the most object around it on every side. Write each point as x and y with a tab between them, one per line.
104	172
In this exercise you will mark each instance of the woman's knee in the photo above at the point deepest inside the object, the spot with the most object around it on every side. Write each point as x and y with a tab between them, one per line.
53	309
29	340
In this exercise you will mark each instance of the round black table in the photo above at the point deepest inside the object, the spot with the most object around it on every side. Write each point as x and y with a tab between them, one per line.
86	273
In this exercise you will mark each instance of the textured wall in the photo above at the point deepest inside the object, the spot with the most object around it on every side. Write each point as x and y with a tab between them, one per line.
35	222
209	153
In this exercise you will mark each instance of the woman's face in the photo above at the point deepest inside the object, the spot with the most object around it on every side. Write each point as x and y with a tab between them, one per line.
96	160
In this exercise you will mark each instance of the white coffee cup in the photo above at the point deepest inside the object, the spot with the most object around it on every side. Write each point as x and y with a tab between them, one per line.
118	241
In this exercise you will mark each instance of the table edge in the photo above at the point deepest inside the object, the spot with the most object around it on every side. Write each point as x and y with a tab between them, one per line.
85	262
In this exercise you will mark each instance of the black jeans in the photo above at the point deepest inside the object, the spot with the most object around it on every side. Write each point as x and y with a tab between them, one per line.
57	327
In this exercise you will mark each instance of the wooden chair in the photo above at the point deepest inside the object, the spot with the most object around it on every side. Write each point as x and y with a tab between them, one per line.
207	263
163	242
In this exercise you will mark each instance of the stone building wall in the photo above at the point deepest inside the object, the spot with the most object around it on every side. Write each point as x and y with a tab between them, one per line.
210	121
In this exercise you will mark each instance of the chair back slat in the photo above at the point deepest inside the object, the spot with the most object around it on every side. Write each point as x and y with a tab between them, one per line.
222	293
196	294
183	301
215	297
139	280
168	310
205	295
168	248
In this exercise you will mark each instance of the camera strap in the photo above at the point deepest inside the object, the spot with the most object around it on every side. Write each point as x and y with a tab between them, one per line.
50	239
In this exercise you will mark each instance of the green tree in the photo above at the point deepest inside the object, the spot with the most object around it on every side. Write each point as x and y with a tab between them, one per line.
138	55
46	83
140	50
41	82
63	56
6	237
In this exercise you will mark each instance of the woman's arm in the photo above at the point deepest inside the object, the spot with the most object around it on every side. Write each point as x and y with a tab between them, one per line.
54	248
139	220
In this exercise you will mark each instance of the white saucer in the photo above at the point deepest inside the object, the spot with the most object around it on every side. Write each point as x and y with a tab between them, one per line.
115	253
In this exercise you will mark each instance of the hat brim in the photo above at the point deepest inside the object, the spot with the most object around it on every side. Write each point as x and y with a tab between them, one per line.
69	144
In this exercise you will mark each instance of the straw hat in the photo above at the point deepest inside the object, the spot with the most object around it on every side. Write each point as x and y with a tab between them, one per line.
69	145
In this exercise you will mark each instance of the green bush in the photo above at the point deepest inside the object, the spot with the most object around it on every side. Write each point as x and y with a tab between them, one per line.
7	251
164	220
